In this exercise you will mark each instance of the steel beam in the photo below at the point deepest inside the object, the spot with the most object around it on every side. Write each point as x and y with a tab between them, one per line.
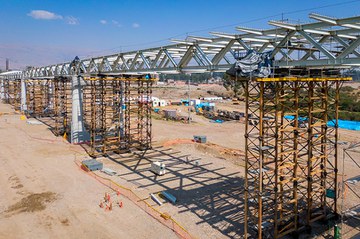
200	54
317	44
351	48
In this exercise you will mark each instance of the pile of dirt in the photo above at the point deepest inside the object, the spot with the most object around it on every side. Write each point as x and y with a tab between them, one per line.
32	203
181	91
169	143
236	156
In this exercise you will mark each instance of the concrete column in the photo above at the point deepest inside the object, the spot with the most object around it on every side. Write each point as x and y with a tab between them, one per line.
122	109
23	106
51	92
78	133
2	93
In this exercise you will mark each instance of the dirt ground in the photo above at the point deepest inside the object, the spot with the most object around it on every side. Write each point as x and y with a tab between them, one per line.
44	193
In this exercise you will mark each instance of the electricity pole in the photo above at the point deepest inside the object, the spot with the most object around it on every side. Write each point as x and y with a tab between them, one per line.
189	99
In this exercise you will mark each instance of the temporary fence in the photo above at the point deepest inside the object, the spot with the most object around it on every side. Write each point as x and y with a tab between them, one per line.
350	207
342	124
163	218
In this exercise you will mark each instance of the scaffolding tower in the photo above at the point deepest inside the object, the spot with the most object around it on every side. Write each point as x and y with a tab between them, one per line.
5	91
102	111
138	107
39	98
12	90
62	105
117	113
291	154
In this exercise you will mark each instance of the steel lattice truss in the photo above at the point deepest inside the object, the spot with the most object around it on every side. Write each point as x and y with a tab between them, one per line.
325	42
291	164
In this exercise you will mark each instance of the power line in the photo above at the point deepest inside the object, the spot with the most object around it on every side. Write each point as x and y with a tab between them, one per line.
229	25
279	14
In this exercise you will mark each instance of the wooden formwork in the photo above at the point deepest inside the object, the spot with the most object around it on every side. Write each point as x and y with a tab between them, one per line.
11	90
39	98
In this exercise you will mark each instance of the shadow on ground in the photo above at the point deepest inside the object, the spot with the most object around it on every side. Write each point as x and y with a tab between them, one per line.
214	194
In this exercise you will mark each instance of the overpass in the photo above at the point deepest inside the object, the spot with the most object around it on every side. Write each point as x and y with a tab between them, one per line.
325	42
291	152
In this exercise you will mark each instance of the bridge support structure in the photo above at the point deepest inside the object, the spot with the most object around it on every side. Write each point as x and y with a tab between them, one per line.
78	132
291	154
118	113
291	151
110	113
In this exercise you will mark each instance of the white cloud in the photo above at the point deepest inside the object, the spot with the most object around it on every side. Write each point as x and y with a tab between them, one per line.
72	20
116	23
44	15
103	22
135	25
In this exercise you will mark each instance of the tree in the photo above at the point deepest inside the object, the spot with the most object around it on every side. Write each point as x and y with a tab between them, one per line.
231	83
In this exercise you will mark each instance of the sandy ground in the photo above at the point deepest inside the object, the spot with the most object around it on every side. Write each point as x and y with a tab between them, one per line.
177	92
208	190
45	195
221	134
207	184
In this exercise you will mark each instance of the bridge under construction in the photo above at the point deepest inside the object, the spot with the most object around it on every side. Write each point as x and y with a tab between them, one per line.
291	154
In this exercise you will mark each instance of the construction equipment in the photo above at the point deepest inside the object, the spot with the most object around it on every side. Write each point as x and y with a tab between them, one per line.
92	164
158	168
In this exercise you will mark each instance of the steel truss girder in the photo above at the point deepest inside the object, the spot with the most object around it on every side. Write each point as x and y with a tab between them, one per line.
293	45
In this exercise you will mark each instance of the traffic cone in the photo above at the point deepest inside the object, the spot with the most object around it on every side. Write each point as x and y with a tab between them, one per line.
108	197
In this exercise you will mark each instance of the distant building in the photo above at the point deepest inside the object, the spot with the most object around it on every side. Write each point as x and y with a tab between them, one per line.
195	102
170	81
212	98
7	65
160	83
215	80
156	102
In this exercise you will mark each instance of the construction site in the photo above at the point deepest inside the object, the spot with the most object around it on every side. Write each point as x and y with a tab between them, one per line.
86	152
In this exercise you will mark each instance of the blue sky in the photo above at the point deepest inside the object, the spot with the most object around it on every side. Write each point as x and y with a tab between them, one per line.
42	32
